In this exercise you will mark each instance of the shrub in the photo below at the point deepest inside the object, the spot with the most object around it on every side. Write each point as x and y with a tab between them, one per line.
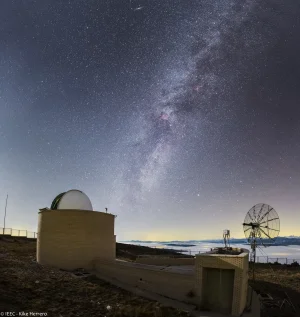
295	263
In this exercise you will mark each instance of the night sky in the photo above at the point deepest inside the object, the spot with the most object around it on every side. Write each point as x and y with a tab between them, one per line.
178	116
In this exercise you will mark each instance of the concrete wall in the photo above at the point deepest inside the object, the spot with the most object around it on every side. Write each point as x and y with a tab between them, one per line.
71	239
165	261
239	263
173	285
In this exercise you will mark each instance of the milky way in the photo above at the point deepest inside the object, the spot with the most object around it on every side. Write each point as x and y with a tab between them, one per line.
185	99
183	113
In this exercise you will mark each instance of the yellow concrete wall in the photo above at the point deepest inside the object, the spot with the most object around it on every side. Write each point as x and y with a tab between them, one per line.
244	286
170	284
115	247
166	261
71	239
239	263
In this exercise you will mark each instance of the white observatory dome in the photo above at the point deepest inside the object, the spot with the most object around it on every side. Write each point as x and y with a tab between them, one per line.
72	199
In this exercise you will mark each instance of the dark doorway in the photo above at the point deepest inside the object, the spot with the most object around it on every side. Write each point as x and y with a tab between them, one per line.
218	289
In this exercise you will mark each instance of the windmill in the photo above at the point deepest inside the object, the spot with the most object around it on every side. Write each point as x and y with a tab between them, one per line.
261	227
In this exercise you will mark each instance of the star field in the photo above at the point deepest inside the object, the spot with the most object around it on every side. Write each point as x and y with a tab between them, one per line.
178	116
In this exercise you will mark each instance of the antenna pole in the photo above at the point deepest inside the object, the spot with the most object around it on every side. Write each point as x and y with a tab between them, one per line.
253	246
5	213
254	260
226	236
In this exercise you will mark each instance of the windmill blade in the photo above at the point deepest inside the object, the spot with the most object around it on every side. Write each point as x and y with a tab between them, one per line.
265	233
250	216
255	212
277	218
259	213
248	224
247	229
269	228
266	214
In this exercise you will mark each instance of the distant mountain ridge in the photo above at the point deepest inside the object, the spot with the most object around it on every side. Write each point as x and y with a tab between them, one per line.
280	241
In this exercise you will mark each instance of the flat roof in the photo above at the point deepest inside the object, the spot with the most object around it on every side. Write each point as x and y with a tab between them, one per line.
182	269
231	252
74	210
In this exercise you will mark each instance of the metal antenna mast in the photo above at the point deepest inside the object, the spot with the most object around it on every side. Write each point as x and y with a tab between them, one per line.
226	237
5	213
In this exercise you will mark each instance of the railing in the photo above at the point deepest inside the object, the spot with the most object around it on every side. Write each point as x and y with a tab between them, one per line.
259	259
18	233
268	259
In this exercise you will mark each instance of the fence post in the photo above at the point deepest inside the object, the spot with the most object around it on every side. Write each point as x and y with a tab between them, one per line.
267	259
286	261
18	233
277	260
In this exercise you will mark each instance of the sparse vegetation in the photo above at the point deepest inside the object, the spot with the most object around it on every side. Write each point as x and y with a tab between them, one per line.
282	283
276	263
295	264
27	286
30	287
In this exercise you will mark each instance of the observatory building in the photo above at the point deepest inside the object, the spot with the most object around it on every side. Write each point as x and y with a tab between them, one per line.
71	235
222	280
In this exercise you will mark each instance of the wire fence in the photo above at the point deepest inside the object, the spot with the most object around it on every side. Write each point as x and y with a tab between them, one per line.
18	233
268	259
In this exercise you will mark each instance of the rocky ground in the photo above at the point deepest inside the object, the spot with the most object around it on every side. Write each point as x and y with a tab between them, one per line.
26	286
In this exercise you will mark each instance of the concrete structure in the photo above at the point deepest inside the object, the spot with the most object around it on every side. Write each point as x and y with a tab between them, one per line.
174	286
164	260
71	239
222	280
176	283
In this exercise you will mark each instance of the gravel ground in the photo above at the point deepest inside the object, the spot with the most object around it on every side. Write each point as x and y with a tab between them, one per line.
29	287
